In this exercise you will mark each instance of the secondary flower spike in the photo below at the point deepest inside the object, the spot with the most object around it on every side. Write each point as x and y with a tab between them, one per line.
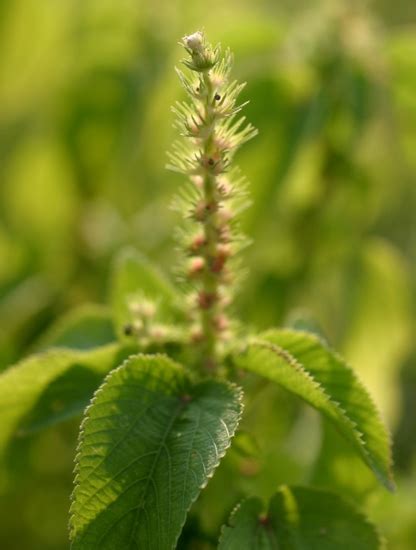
211	131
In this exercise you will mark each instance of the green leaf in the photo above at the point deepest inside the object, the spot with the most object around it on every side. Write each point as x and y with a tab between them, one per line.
246	529
304	365
149	443
88	326
299	518
134	274
50	387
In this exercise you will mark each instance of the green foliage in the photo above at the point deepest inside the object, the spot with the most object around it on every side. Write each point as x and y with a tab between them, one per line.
304	365
135	277
299	518
86	327
82	178
50	387
246	530
150	441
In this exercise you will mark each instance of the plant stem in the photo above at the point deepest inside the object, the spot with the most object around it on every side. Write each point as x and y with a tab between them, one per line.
209	304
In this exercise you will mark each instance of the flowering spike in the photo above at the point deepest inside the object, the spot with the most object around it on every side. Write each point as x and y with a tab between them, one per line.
211	133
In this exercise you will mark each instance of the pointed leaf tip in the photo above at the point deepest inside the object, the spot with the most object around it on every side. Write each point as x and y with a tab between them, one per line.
150	441
303	364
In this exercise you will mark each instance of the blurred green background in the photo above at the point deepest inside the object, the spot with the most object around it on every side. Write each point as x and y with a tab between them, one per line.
85	94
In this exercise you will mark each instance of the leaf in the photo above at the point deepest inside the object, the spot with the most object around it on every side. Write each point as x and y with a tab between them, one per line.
299	518
150	441
304	365
246	530
22	310
88	326
50	387
134	274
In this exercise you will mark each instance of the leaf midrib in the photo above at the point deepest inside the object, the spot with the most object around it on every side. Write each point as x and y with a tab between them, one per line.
162	445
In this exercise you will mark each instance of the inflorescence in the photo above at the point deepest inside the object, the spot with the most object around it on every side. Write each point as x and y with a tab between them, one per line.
211	131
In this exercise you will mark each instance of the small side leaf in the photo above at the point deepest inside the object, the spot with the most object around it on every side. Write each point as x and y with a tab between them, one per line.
246	529
299	518
50	387
304	365
150	441
133	274
86	327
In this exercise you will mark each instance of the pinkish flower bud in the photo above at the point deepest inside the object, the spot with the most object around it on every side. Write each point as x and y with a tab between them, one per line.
224	187
204	209
207	299
224	215
197	243
197	265
224	234
198	181
221	323
223	253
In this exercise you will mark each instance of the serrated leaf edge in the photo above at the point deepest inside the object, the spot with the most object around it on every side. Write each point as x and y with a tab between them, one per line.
389	440
56	352
357	511
240	402
232	514
82	426
231	385
288	357
347	502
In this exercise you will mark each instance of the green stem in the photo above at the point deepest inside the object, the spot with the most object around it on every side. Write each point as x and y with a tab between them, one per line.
210	284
